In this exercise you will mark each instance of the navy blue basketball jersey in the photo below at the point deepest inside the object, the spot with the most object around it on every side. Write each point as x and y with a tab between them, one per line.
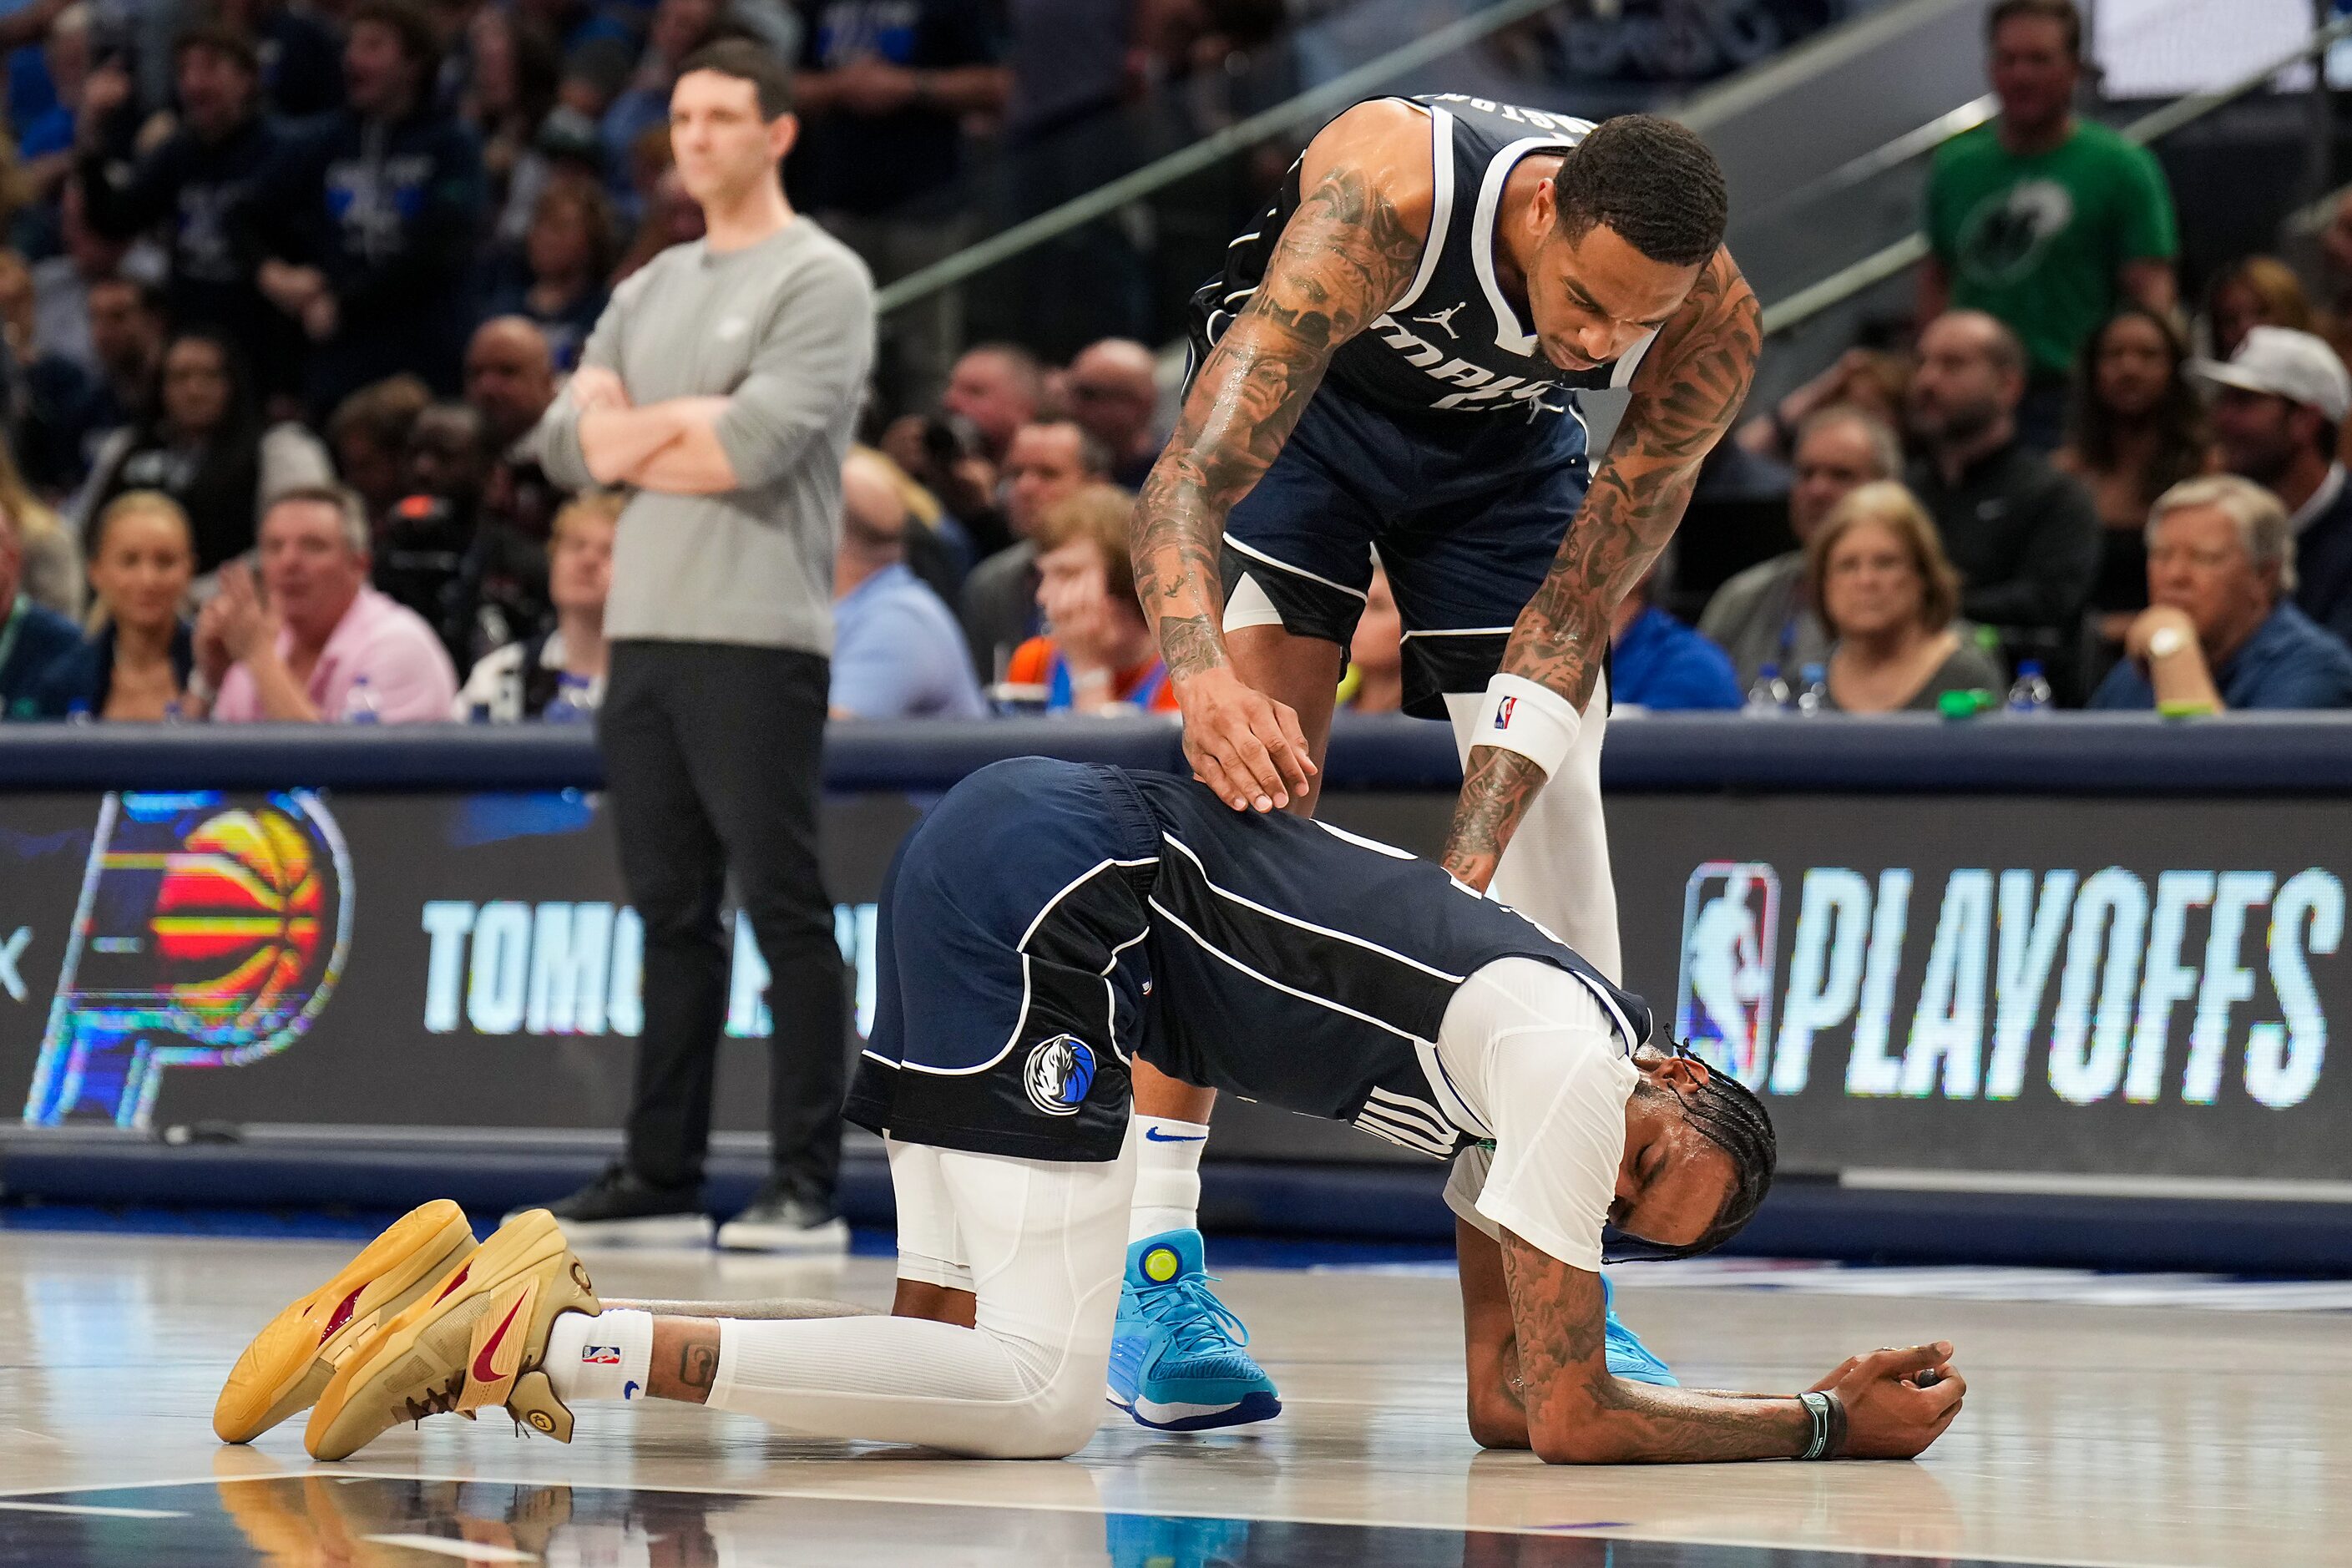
1454	343
1049	921
1301	966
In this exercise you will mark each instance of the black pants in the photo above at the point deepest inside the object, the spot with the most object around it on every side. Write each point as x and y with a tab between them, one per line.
712	758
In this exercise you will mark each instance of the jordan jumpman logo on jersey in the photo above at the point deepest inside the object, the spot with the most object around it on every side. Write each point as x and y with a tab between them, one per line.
1442	318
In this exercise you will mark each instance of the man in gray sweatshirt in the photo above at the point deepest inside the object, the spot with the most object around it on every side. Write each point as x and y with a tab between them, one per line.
722	384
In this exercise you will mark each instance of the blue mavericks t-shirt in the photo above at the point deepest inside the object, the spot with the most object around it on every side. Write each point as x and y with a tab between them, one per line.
1662	663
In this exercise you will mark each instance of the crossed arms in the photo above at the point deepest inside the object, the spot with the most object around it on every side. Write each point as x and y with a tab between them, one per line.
804	370
1539	1371
670	445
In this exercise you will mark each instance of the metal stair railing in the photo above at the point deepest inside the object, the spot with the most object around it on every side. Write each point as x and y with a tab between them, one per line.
1795	309
1210	149
1712	107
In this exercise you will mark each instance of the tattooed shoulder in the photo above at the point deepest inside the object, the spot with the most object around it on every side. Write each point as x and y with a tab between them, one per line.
1346	253
1695	378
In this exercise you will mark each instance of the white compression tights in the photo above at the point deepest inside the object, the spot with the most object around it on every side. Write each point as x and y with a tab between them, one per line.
1042	1245
1556	868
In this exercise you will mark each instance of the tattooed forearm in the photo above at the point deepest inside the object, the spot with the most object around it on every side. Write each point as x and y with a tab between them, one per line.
697	1362
1499	1413
1498	1410
1495	793
1343	256
1189	642
1690	387
1515	1382
1578	1413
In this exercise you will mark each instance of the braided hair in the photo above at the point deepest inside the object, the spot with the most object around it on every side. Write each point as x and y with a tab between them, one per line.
1727	1113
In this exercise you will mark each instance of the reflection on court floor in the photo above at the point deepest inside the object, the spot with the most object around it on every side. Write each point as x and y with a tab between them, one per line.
2095	1434
325	1517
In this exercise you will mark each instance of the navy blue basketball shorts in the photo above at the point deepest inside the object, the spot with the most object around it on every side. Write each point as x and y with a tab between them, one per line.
1467	511
1012	975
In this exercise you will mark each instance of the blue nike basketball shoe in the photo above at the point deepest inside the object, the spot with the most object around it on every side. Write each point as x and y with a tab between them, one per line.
1629	1358
1176	1359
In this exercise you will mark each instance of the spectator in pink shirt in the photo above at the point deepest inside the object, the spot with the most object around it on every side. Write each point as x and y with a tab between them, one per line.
315	644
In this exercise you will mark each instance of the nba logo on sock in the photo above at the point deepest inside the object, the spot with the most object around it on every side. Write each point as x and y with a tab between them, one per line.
1503	713
1731	917
600	1355
1059	1074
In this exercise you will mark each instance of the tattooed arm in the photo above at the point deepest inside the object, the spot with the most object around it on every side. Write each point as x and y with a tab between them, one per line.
1896	1401
1690	386
1346	252
1498	1411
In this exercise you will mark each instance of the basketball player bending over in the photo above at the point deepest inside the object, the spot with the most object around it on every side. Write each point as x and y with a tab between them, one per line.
1391	362
1048	925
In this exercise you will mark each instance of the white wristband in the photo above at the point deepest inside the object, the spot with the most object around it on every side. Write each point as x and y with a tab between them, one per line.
1534	721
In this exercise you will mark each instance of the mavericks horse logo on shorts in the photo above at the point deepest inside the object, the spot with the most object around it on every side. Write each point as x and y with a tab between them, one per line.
1059	1073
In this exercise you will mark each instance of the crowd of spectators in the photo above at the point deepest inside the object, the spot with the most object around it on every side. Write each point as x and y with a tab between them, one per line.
2062	468
348	250
278	341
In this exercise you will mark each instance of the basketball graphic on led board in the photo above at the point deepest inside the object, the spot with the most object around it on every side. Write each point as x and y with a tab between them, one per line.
237	915
209	932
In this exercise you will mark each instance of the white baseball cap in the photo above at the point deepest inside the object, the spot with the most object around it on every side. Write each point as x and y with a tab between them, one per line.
2286	363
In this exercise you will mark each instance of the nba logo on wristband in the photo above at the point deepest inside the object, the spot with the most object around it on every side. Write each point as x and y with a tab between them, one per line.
1518	715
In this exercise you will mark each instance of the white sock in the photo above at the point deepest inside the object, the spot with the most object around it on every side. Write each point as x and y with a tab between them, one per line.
608	1356
1167	1176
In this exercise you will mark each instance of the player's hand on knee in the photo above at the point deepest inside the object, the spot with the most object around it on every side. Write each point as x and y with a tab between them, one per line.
1243	743
1896	1401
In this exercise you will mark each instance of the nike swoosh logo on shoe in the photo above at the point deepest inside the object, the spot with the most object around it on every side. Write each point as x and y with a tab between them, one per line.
484	1372
1153	1135
342	1315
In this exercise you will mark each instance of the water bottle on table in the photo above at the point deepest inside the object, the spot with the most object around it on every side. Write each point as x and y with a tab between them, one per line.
1813	690
1769	695
570	704
359	705
2029	693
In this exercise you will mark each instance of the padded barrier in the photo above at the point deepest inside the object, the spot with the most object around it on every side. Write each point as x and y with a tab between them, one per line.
2102	754
2085	756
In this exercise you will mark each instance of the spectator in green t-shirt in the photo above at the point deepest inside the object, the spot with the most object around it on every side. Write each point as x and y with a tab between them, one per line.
2042	219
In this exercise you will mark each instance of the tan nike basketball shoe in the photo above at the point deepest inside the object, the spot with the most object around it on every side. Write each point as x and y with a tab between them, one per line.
477	1341
289	1364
